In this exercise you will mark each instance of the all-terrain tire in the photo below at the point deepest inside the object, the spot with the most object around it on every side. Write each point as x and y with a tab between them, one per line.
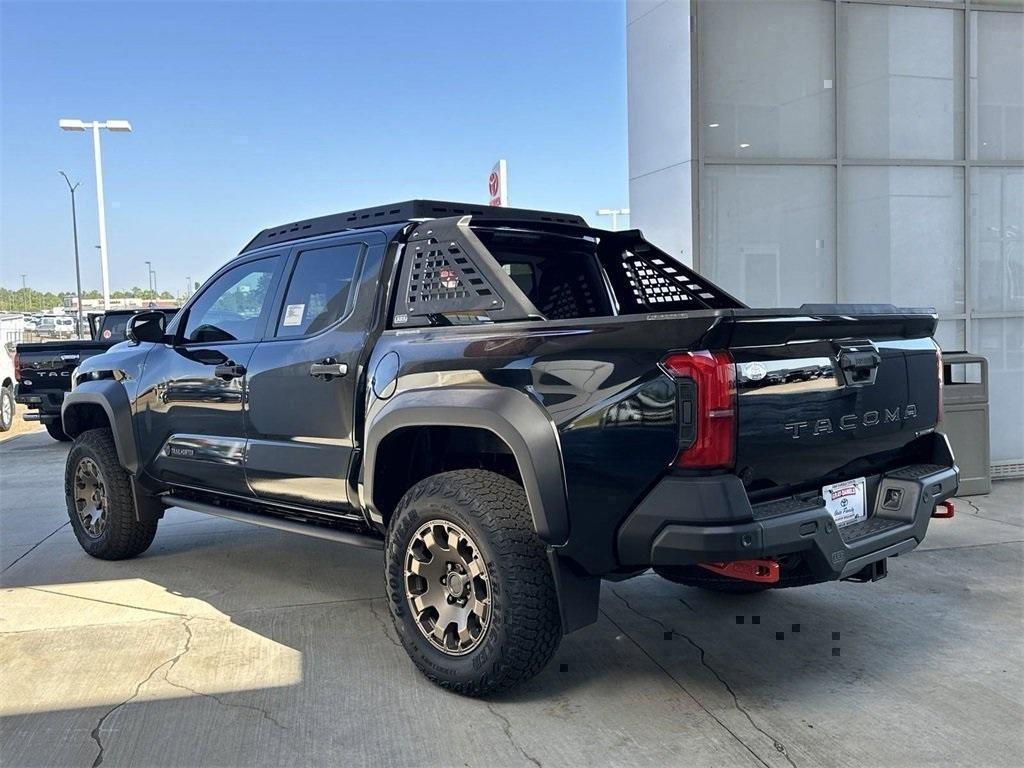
56	430
6	408
123	534
524	629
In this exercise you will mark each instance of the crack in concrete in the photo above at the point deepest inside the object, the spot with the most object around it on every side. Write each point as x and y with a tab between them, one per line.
684	689
170	664
33	547
188	645
927	550
314	604
506	726
107	602
96	732
779	746
978	510
384	625
75	627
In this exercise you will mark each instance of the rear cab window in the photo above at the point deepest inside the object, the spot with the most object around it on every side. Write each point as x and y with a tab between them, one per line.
561	276
319	291
114	328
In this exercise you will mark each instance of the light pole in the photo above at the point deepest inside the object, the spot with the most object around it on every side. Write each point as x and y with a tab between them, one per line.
614	213
149	274
24	289
74	227
122	126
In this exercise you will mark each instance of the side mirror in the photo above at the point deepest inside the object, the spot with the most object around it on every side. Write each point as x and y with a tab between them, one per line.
146	326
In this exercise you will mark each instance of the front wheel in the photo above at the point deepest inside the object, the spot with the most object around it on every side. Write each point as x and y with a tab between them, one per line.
469	584
6	409
99	499
56	430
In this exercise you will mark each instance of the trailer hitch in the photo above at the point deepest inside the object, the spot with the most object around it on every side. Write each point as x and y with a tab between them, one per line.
760	570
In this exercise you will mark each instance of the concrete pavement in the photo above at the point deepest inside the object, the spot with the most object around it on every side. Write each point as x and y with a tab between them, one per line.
236	646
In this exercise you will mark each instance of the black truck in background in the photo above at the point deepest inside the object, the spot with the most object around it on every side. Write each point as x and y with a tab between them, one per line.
43	370
514	406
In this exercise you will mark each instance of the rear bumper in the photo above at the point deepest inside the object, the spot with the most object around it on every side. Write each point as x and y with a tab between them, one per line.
45	406
685	521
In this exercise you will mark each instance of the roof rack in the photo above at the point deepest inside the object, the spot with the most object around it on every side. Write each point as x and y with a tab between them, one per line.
399	213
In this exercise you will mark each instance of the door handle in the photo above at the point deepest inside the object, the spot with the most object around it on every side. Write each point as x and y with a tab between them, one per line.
328	369
229	371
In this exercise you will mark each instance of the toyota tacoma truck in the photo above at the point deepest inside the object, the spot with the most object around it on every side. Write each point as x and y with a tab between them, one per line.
514	406
43	370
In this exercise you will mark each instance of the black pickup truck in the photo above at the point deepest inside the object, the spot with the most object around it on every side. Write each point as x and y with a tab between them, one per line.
43	370
514	406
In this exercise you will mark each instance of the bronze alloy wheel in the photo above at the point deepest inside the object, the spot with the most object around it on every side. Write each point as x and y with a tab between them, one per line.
447	586
90	497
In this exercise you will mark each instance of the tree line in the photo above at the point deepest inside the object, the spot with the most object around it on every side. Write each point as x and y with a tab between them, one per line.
31	300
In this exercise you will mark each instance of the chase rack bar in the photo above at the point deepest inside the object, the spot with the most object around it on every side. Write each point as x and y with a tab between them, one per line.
400	213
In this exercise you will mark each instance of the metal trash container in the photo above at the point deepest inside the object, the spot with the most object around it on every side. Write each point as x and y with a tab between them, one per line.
965	419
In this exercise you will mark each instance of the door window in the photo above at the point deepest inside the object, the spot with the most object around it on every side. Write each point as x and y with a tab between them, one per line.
230	308
318	293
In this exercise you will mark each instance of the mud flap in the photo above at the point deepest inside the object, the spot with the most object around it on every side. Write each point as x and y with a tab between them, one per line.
148	508
578	594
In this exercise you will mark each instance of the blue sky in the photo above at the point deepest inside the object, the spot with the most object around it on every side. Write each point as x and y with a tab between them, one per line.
248	115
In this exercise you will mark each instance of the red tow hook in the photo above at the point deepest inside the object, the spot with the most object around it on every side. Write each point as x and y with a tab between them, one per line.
947	512
761	571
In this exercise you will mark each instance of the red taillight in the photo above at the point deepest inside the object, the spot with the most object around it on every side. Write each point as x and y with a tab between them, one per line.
942	380
711	440
17	367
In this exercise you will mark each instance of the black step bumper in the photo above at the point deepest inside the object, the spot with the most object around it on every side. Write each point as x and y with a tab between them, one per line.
690	520
45	406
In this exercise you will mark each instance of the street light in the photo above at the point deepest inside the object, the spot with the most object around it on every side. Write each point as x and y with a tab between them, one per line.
614	213
149	274
74	227
118	126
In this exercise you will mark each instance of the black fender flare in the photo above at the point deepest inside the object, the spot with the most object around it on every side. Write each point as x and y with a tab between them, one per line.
513	416
110	395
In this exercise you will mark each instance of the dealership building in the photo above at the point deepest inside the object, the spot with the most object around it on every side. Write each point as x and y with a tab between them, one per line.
851	151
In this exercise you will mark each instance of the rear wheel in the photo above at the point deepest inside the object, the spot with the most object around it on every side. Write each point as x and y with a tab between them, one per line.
56	430
6	409
99	500
469	585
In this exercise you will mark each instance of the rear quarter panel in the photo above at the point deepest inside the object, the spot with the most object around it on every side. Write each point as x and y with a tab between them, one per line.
599	382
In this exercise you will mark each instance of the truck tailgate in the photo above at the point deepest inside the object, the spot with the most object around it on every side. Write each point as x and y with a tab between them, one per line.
46	367
823	398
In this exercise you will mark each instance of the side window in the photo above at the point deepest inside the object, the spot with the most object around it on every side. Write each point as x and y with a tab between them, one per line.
229	309
318	293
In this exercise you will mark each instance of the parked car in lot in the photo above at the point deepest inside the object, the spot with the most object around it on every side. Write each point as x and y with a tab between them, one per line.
43	370
56	326
514	406
7	379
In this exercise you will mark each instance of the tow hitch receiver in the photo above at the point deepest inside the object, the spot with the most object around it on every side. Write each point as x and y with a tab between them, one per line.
761	571
943	510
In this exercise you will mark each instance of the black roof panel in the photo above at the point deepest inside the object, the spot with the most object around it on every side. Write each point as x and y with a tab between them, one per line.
397	213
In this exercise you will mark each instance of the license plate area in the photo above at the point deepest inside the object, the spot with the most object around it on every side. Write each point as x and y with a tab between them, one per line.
846	501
